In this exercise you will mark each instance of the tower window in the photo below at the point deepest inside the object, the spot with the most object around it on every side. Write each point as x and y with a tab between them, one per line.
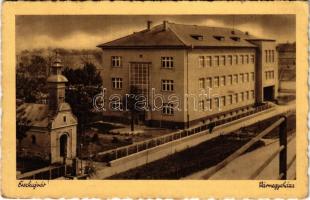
33	139
65	118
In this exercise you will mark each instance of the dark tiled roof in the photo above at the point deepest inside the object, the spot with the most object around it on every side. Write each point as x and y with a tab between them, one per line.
182	36
286	47
154	37
33	114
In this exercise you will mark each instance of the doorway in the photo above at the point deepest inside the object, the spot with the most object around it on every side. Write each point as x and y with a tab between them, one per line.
63	145
269	93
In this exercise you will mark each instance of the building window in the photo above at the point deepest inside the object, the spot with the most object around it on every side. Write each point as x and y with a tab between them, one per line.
235	98
229	80
116	61
223	61
235	81
216	81
247	77
201	61
252	76
208	61
167	85
229	99
209	82
269	55
247	95
201	83
197	37
241	96
201	105
33	139
252	59
236	59
223	102
247	59
117	83
272	55
266	56
65	118
167	62
223	81
229	60
209	104
252	94
241	59
116	106
217	60
242	78
216	102
168	109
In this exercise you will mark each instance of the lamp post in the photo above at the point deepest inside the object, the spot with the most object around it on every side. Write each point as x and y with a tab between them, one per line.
81	145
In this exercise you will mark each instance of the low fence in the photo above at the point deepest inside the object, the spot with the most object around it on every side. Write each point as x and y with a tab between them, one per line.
282	151
46	173
120	152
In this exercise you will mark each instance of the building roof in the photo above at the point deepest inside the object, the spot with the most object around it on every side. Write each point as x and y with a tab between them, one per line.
57	79
287	47
33	114
182	36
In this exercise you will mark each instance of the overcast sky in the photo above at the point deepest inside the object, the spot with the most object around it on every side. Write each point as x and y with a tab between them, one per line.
77	31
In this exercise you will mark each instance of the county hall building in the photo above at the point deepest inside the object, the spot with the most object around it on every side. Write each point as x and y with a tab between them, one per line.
234	69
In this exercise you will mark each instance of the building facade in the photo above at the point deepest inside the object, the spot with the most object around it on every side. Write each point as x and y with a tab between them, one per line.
51	128
195	73
287	61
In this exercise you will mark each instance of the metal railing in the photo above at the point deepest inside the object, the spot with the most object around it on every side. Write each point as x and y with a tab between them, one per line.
124	151
281	151
46	173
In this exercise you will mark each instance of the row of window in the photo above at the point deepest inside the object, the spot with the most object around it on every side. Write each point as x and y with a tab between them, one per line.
225	100
166	62
203	105
269	75
204	61
218	81
208	61
269	56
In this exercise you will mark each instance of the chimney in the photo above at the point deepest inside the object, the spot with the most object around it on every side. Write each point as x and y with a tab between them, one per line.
149	23
165	23
247	33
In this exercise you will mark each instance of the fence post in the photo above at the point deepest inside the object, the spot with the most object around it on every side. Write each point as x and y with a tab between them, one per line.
283	153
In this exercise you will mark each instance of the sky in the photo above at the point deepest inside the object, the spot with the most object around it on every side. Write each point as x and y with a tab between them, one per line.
88	31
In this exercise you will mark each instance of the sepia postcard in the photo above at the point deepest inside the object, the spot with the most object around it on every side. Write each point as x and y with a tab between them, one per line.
154	99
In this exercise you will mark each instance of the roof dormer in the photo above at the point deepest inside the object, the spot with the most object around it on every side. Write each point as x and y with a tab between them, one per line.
197	37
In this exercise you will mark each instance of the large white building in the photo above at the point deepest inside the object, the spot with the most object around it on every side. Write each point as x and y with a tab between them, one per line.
236	69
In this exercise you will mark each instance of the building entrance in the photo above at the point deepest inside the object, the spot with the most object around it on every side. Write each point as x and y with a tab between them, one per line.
269	93
139	78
